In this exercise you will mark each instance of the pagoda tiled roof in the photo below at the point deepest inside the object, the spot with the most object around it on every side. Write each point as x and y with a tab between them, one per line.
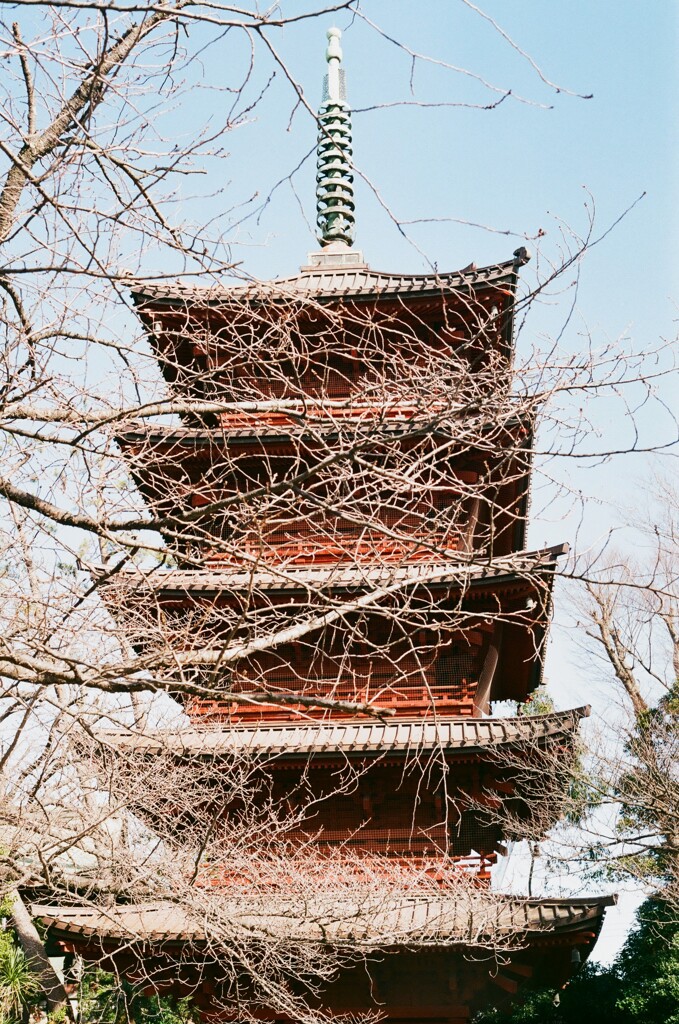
198	437
320	283
328	422
406	921
376	737
460	572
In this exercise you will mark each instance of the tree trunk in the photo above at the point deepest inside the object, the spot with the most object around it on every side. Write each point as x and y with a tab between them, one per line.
36	954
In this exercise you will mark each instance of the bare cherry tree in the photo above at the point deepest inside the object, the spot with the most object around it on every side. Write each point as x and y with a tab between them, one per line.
404	463
631	616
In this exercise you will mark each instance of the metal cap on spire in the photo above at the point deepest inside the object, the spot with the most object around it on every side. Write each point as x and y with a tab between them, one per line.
334	177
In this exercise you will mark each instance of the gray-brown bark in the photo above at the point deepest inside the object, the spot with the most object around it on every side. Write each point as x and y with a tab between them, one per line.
80	106
36	955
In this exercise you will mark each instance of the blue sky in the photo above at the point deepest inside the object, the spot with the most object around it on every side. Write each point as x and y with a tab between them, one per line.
519	167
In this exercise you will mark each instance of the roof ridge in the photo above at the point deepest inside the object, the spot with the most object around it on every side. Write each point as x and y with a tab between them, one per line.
342	280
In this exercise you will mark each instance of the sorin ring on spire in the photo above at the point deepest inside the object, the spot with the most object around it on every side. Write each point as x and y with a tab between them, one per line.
334	177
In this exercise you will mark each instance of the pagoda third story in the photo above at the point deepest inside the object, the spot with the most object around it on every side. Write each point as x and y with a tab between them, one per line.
346	595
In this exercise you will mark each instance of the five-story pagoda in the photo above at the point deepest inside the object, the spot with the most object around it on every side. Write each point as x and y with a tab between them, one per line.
345	501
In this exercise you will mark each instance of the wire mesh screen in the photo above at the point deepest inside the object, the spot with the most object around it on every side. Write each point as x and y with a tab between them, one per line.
471	833
456	670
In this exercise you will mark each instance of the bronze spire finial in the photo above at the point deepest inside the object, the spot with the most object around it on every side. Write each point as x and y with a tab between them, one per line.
334	177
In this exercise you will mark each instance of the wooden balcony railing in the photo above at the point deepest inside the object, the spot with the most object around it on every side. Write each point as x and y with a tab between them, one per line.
321	550
437	867
315	412
406	702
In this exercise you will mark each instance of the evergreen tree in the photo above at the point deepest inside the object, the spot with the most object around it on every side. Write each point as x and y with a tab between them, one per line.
641	987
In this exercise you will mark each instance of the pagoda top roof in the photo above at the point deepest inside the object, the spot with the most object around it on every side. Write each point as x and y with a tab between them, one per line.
409	920
459	572
377	737
332	280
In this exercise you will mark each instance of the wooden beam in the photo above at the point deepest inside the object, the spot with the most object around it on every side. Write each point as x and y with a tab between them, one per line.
508	984
525	970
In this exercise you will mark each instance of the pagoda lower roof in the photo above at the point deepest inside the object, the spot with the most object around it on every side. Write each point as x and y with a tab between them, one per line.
472	571
374	738
388	922
328	283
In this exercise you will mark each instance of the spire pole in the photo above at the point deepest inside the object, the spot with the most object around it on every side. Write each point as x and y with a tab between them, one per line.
334	177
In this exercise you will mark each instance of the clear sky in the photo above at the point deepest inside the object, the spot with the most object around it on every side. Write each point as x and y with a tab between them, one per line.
519	167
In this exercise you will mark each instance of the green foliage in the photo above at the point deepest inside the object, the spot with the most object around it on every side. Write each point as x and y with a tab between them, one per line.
646	792
18	985
642	986
648	967
539	702
588	999
107	999
583	798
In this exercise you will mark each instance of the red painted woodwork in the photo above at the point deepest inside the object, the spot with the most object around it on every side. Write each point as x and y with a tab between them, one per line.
415	807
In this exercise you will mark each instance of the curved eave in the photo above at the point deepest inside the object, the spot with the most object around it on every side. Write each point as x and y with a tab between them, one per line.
516	569
196	440
339	285
407	738
405	923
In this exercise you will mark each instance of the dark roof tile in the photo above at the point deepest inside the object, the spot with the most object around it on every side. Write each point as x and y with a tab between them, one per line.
316	283
385	922
377	737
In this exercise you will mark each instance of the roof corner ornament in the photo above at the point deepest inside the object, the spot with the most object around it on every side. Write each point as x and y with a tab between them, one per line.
334	176
522	256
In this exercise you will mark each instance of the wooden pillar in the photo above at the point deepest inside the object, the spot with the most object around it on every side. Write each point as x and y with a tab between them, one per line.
488	671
